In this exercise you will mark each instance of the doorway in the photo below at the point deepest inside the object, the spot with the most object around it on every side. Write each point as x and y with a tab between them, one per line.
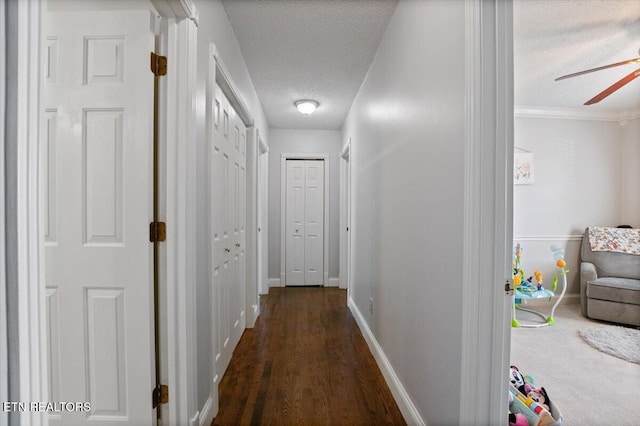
262	202
345	216
227	161
305	217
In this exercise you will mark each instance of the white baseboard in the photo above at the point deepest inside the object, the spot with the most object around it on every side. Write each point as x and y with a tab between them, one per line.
205	418
406	406
274	282
195	419
254	311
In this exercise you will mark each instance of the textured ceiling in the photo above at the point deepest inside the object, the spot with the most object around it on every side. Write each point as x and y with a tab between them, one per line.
322	49
308	49
558	37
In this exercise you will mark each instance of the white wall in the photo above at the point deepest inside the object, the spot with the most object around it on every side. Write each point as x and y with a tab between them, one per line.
214	27
630	187
578	166
303	141
407	126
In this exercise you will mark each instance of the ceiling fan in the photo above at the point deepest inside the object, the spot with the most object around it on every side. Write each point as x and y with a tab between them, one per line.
615	86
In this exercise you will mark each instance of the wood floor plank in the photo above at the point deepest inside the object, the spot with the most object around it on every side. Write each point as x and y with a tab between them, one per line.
305	363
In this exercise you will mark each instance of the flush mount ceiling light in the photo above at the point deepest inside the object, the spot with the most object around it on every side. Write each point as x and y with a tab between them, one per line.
306	106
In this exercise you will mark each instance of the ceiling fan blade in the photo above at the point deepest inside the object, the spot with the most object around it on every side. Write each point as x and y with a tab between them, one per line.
604	67
615	86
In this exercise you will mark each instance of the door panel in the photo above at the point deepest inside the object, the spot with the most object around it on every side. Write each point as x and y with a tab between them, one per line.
227	206
304	222
295	211
98	98
314	226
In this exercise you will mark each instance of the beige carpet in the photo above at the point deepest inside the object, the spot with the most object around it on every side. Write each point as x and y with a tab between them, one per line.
590	387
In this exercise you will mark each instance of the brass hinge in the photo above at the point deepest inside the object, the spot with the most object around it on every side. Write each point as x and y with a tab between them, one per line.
158	64
160	395
157	232
507	287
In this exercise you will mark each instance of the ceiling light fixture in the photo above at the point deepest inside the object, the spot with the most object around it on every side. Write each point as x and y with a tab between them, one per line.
306	106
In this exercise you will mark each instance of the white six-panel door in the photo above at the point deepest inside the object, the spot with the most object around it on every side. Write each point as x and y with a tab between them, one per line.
227	162
98	99
304	222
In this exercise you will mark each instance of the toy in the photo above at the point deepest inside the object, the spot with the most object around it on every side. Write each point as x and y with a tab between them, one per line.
558	256
518	381
517	419
540	396
538	276
529	405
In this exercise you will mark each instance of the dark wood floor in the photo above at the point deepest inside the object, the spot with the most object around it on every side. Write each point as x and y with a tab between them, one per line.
305	363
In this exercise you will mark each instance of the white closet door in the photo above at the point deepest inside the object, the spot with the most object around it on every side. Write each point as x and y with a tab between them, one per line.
304	222
227	208
98	98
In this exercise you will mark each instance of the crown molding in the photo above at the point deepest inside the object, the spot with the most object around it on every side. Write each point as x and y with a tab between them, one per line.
524	111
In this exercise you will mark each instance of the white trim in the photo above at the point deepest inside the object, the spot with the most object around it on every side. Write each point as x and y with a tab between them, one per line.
487	213
522	111
283	205
405	404
178	9
224	80
344	152
264	148
275	282
251	228
180	321
31	326
334	282
206	414
195	420
572	237
263	217
4	353
345	201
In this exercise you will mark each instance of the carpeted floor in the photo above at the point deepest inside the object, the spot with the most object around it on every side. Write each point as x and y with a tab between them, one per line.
588	386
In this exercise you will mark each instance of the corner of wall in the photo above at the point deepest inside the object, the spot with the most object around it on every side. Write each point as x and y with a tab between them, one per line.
408	409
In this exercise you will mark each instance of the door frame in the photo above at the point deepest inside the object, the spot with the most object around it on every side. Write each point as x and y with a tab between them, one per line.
488	211
177	139
178	41
256	218
218	74
325	157
26	333
263	217
4	350
345	217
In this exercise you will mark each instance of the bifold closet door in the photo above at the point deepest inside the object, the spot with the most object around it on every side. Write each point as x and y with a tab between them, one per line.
304	222
227	152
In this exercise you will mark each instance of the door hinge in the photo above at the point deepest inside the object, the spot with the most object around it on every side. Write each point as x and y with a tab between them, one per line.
157	232
508	289
160	395
158	64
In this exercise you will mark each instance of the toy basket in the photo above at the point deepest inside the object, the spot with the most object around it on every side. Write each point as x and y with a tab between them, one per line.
553	417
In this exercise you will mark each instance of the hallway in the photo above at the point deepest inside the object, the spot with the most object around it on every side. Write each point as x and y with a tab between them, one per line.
305	362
